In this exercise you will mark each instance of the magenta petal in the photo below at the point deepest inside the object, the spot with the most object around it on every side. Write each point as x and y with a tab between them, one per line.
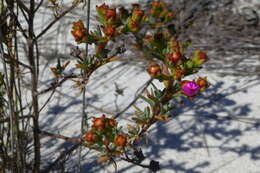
190	89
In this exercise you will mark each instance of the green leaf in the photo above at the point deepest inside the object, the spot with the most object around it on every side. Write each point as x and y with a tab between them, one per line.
150	102
147	113
137	109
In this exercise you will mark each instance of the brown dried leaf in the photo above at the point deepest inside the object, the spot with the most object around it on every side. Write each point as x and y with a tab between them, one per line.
104	158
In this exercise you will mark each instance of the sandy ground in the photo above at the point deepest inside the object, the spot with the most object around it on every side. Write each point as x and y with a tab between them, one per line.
211	135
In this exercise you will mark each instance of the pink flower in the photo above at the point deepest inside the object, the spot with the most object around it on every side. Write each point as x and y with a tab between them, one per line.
190	88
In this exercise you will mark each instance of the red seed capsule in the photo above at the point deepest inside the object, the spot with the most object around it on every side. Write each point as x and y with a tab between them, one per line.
90	137
175	57
202	82
154	70
99	123
120	140
203	56
111	13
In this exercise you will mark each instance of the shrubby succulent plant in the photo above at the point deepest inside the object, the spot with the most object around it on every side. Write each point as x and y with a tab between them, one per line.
168	63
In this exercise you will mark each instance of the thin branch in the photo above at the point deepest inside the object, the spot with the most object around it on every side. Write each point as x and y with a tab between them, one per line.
57	84
69	139
10	60
24	15
84	115
22	6
18	23
20	118
48	100
135	163
38	6
56	20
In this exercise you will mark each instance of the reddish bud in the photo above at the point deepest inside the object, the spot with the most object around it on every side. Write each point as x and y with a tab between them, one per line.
137	15
179	74
112	122
78	30
202	56
90	137
102	8
199	58
175	57
120	140
157	8
158	4
202	82
110	30
154	70
110	13
99	123
170	14
78	25
133	25
79	34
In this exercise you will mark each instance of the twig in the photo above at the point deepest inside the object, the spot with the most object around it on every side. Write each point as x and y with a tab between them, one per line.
84	114
48	100
20	118
69	139
56	20
10	60
38	6
135	163
55	85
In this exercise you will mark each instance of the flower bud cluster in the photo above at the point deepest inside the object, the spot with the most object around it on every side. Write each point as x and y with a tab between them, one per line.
192	88
79	31
105	134
160	11
168	63
175	65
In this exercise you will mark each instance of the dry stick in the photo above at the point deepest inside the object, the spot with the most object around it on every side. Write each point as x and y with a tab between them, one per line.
20	149
84	115
65	78
55	85
78	142
18	90
6	120
135	163
24	14
38	6
60	136
21	154
11	86
22	6
69	139
10	60
18	23
9	97
31	57
37	59
48	100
